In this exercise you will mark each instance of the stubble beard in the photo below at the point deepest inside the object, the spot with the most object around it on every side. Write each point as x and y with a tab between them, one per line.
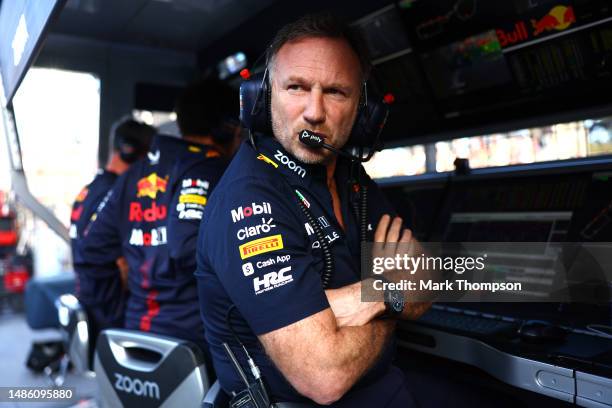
291	144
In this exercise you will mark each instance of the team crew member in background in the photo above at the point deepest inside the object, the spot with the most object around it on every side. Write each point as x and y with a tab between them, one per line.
105	305
134	220
260	262
218	128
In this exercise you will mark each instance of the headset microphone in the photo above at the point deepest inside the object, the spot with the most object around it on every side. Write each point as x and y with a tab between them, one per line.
311	139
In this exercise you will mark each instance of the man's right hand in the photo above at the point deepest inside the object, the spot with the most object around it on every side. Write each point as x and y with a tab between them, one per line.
388	232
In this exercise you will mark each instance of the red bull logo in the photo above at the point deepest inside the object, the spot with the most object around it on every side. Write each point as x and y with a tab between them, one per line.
517	35
558	18
151	214
152	184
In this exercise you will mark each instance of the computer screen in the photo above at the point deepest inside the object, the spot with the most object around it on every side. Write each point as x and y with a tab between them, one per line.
552	215
383	32
464	66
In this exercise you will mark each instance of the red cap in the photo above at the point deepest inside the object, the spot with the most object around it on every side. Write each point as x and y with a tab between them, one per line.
245	73
389	98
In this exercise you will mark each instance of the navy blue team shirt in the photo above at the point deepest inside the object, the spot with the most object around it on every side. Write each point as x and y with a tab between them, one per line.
103	311
151	217
256	251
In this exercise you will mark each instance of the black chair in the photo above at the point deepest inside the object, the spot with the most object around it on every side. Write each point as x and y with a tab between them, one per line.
76	340
144	370
76	333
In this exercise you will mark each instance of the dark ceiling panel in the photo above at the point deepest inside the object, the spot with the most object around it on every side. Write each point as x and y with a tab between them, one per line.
190	24
186	25
99	19
253	36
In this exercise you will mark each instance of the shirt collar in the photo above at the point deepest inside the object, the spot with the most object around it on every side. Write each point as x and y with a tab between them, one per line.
272	152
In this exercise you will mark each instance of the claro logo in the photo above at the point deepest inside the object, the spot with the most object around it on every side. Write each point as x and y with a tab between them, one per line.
136	386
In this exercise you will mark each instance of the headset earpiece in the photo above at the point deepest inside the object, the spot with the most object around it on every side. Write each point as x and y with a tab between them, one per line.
255	104
369	122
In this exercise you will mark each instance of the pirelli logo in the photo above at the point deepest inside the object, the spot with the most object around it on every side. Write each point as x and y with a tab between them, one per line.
261	246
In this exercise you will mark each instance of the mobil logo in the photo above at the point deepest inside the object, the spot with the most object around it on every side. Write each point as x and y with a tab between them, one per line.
241	212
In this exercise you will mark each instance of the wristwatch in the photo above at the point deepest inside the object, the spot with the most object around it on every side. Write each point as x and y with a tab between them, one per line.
394	303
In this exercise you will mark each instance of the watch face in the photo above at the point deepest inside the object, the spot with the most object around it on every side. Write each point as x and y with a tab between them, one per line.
396	301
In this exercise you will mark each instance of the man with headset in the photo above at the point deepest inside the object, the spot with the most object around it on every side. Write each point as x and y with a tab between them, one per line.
131	140
279	244
150	205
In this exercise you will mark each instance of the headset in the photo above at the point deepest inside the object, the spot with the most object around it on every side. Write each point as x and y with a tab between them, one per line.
129	148
131	139
256	116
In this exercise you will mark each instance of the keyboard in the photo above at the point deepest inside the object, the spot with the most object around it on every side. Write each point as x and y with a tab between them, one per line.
468	321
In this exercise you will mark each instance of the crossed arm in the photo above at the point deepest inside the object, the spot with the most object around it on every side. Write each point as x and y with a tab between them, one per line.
323	355
323	360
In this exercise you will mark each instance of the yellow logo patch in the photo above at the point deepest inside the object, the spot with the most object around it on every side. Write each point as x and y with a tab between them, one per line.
267	160
192	199
261	246
152	184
